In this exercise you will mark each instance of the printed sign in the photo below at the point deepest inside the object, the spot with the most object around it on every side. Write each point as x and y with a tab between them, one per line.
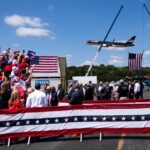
42	82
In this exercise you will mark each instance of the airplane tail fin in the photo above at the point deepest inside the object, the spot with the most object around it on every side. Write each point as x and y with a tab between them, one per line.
130	41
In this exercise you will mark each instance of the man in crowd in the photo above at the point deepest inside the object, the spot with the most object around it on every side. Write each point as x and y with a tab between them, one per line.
130	90
70	91
141	89
137	89
101	92
51	95
88	93
92	89
60	92
109	90
37	98
122	90
77	96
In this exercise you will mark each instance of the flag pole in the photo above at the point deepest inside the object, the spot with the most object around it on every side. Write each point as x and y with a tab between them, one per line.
141	64
129	71
146	9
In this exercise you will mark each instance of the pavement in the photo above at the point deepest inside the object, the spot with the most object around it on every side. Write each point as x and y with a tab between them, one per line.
90	142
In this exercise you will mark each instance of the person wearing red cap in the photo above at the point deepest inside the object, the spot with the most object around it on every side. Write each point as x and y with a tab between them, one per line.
8	67
23	64
16	53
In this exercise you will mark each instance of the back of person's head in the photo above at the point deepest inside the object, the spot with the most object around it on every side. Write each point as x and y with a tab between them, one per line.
70	85
77	85
48	88
53	89
90	82
121	81
59	85
7	73
4	86
37	86
107	83
101	82
115	84
85	85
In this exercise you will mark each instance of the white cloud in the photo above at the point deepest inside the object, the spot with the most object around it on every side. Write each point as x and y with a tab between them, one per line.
68	57
146	53
17	20
146	63
22	31
89	63
52	36
16	44
111	48
115	60
28	26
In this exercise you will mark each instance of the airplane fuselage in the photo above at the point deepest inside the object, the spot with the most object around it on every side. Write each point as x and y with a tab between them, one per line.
109	44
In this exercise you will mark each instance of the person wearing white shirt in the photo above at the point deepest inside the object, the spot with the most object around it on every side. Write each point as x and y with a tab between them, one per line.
37	98
137	89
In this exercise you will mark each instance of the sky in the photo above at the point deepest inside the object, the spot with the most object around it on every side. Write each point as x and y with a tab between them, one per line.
62	28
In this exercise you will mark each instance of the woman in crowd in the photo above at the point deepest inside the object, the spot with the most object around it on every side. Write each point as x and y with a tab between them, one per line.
5	93
14	101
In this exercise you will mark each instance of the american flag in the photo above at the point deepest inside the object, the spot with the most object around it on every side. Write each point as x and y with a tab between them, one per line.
31	54
135	61
45	64
50	121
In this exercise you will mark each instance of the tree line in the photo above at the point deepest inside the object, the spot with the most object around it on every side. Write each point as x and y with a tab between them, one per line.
105	72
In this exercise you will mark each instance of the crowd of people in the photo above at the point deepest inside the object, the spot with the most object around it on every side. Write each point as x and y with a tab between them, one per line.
120	90
15	90
105	91
15	78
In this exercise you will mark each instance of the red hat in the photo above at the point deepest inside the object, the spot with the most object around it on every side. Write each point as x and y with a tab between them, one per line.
16	53
8	67
22	65
21	77
24	59
17	72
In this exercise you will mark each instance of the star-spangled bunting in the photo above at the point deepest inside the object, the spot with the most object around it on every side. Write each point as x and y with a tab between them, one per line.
51	121
74	119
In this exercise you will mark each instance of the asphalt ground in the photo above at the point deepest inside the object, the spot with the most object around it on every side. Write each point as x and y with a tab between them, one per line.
90	141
